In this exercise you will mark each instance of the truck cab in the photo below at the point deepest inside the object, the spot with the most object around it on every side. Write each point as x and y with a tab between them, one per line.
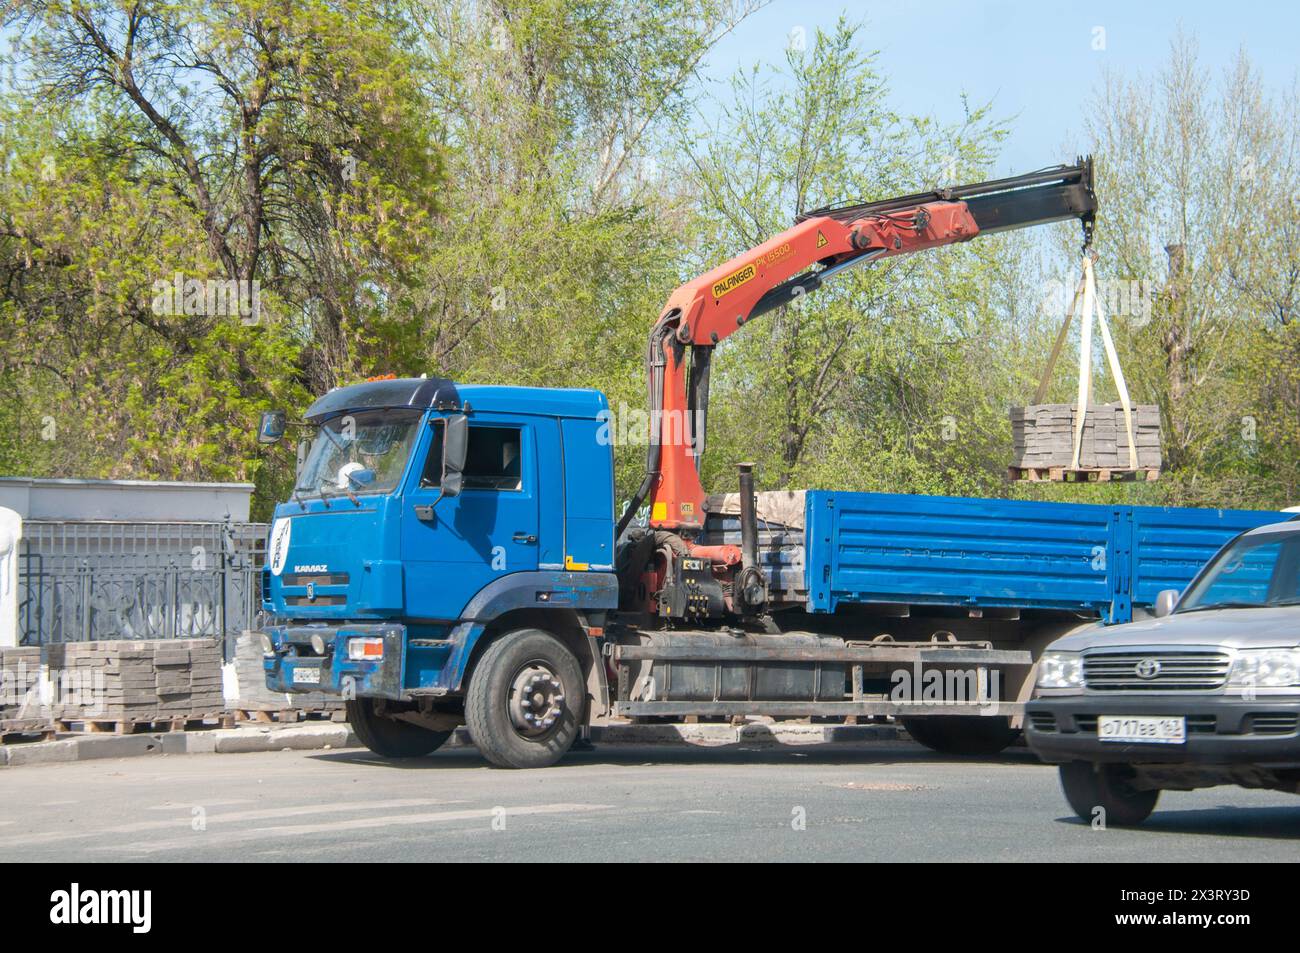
429	520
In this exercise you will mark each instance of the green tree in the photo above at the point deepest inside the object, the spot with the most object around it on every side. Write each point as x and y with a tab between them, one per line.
1198	178
886	378
283	146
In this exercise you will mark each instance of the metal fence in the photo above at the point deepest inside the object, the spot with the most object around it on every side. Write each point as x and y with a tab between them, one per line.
85	581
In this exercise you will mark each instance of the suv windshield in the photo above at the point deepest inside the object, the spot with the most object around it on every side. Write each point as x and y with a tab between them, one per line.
364	452
1254	571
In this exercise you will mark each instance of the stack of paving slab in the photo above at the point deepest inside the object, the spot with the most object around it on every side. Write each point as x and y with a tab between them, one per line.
137	681
1043	437
255	696
19	673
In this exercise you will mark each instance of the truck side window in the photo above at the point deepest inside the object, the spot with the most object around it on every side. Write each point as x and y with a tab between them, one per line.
491	463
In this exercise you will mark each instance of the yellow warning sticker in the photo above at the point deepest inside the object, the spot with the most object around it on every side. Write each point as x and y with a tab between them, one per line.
821	239
734	280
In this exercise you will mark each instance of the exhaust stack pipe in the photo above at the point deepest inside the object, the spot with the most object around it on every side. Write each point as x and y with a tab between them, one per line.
751	587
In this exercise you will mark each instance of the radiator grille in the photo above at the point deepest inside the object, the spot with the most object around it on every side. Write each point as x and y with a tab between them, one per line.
1156	671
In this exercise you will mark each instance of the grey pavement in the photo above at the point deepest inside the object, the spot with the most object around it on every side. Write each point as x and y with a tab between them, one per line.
884	801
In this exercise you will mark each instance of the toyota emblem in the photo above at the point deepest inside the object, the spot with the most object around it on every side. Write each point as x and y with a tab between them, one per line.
1147	668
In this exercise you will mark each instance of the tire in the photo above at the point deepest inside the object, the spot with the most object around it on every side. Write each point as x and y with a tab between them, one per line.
1108	786
957	734
389	737
496	693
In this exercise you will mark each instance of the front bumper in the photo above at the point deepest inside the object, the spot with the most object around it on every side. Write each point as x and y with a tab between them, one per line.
1221	729
297	667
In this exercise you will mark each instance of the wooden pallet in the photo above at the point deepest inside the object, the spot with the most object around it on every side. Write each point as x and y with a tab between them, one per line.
133	726
272	716
1082	474
24	730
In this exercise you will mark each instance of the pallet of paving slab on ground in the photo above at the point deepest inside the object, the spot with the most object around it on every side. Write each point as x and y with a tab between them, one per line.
113	685
1083	474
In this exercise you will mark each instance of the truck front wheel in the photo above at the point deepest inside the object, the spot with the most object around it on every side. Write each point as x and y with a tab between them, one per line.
1109	787
388	736
961	734
525	700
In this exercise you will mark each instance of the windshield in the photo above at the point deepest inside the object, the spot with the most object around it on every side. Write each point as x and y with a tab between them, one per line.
359	453
1254	571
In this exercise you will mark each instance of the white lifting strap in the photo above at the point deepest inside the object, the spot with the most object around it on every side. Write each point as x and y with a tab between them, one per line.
1091	302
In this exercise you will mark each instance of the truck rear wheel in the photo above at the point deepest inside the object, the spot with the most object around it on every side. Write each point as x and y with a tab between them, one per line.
958	734
1107	786
388	736
525	699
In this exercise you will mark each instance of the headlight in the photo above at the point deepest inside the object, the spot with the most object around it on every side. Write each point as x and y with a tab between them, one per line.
268	647
1060	670
1266	668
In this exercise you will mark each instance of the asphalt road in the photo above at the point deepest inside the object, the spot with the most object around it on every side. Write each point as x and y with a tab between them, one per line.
888	801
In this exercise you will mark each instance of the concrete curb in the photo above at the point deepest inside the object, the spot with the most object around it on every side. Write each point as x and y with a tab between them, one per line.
331	736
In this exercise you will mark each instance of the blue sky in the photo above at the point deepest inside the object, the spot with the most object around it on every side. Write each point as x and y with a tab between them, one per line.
1034	61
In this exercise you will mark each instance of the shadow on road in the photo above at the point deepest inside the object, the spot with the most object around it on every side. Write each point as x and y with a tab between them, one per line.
877	753
1226	820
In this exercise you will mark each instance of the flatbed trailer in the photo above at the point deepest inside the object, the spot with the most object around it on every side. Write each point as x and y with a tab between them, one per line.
976	554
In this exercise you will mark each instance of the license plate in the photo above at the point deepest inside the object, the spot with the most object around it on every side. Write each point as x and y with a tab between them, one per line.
1142	729
306	676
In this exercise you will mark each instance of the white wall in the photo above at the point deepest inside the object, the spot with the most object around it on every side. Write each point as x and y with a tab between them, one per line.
38	498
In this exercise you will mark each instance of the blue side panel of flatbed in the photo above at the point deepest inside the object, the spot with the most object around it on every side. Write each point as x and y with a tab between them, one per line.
981	553
1171	543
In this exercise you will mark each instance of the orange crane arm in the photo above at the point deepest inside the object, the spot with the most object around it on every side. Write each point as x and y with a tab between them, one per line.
700	313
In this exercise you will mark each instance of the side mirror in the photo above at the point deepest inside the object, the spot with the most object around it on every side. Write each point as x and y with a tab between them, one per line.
271	427
455	445
1166	599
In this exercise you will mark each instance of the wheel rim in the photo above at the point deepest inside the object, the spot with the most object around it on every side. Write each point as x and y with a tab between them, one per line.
536	703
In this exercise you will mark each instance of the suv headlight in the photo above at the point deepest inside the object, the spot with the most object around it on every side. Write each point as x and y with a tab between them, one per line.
1060	670
1266	668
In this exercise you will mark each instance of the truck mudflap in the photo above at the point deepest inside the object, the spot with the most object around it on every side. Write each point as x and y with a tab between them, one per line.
797	675
316	658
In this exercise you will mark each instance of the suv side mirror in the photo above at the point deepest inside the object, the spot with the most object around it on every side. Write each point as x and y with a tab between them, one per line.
271	427
455	445
1166	599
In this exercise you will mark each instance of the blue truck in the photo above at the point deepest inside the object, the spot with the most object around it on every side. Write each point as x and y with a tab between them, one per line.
451	554
449	557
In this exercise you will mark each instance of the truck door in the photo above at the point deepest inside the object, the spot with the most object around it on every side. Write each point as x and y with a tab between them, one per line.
453	546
